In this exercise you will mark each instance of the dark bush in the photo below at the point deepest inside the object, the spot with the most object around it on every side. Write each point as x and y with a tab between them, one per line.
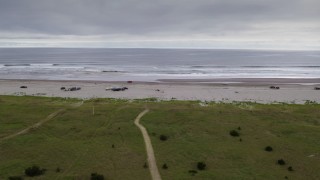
164	166
290	168
234	133
34	171
268	148
96	176
58	169
281	162
145	165
240	140
239	128
15	178
193	172
201	165
163	137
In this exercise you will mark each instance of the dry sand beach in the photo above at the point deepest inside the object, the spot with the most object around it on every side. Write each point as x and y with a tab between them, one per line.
227	90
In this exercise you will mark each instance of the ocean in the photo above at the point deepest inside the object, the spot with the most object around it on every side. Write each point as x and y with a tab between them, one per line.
153	64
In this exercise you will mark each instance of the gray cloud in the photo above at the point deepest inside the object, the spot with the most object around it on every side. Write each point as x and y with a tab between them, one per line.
162	18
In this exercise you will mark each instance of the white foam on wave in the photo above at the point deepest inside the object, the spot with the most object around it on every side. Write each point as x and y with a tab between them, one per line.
41	65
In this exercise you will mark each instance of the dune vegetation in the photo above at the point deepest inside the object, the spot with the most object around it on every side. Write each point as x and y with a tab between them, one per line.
191	140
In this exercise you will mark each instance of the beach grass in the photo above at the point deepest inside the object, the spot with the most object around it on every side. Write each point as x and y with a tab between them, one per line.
201	134
99	137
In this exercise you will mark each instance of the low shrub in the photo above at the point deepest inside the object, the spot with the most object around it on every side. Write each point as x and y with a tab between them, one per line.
34	171
145	165
96	176
193	172
164	166
15	178
290	168
281	162
163	137
268	148
234	133
201	165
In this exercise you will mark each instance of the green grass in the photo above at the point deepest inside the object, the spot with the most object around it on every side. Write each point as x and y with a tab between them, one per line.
80	143
202	134
18	113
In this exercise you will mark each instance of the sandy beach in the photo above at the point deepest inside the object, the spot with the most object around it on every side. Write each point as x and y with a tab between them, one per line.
253	90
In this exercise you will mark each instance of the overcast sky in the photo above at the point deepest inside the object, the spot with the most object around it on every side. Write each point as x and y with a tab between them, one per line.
261	24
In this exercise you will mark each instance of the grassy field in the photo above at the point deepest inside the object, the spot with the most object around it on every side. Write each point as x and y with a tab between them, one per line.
80	143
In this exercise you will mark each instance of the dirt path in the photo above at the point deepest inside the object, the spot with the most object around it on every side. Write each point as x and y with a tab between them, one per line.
151	158
78	104
38	124
34	126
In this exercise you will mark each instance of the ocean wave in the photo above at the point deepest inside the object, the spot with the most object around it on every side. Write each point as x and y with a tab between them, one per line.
42	65
9	65
276	67
27	65
112	71
127	63
281	67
